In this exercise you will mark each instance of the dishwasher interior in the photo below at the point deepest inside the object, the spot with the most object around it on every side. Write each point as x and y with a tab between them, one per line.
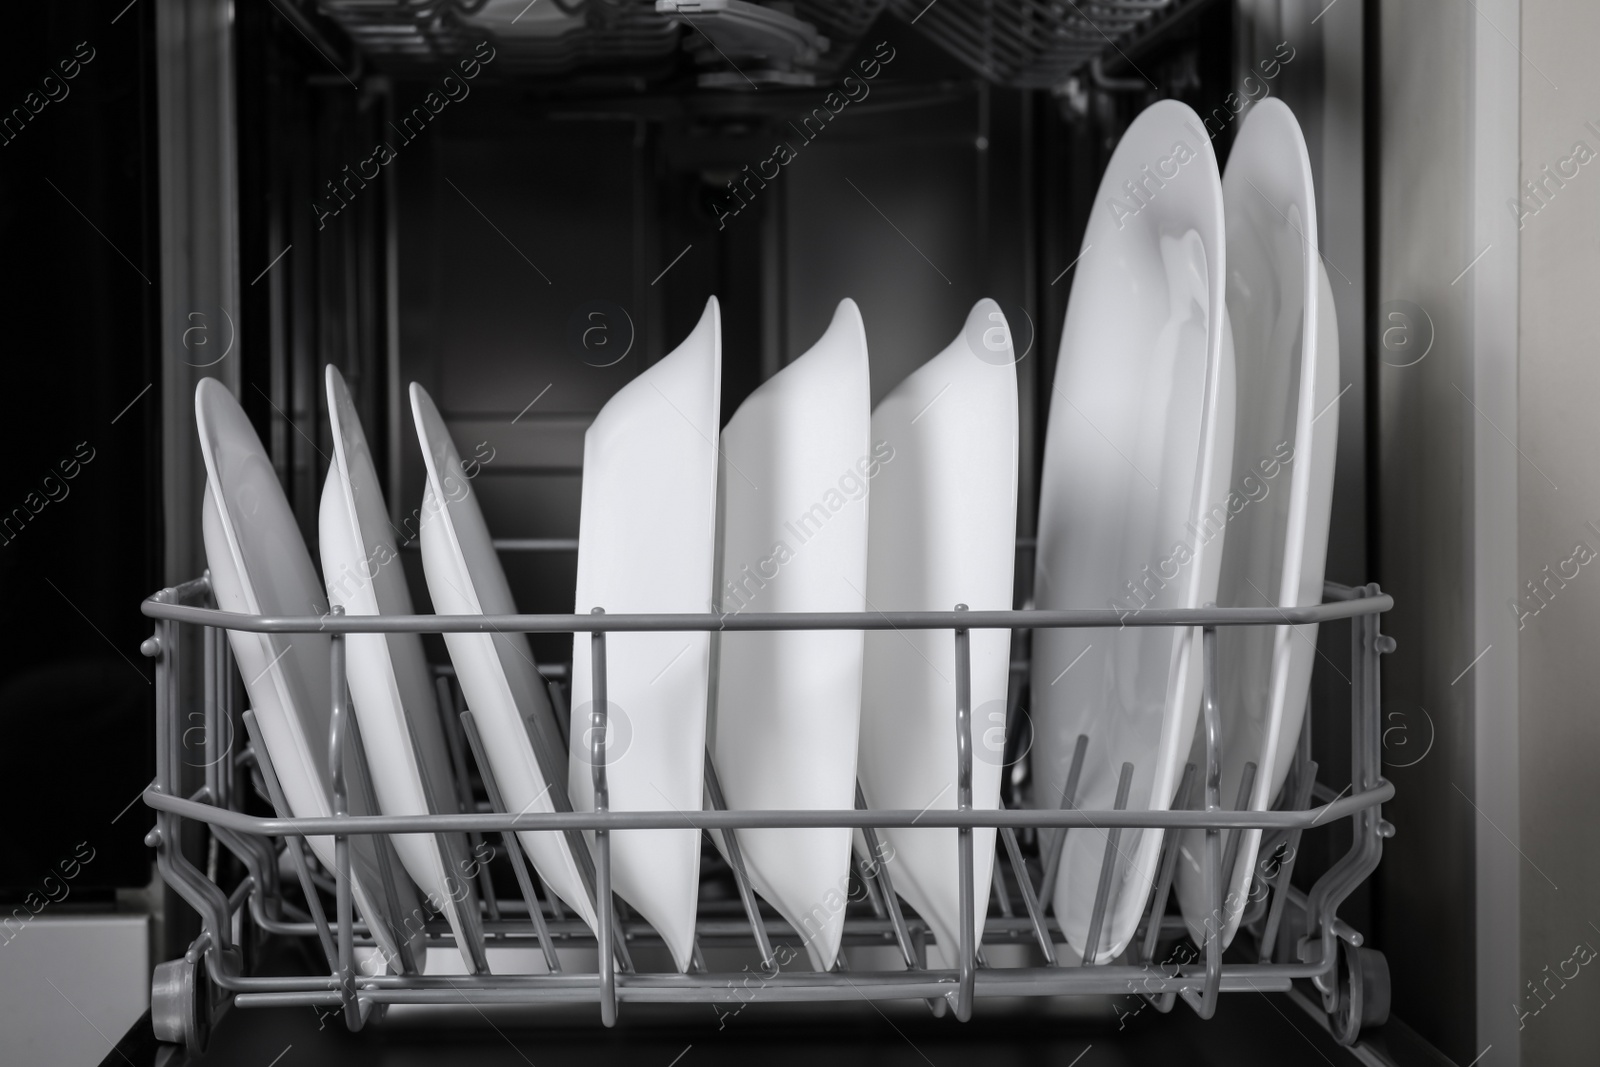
523	206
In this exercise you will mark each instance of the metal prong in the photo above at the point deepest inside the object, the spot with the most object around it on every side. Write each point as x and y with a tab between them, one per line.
294	842
967	934
1280	893
1108	869
1002	896
1058	838
469	729
603	908
453	741
730	841
1169	866
1035	911
1230	851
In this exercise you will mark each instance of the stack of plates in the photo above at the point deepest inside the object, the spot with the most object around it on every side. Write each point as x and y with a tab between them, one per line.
1186	463
1188	460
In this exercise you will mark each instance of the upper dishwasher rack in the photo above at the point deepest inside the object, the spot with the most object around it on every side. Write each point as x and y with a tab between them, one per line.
1019	43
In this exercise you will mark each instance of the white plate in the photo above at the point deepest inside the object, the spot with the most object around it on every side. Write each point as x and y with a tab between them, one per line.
793	486
1286	345
390	687
260	566
497	673
647	543
1138	449
944	516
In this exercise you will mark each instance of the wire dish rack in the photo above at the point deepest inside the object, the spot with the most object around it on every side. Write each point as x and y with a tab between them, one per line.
1024	44
1290	935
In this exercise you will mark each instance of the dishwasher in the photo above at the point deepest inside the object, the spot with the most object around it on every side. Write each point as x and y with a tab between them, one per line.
508	215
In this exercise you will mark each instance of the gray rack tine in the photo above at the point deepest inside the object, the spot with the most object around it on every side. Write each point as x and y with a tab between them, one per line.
293	842
1108	870
1230	851
880	873
868	884
1277	841
730	841
577	845
1280	880
968	935
453	740
910	942
449	847
1169	864
388	860
1002	896
1035	911
341	842
1205	1002
1058	838
213	775
469	730
259	858
602	838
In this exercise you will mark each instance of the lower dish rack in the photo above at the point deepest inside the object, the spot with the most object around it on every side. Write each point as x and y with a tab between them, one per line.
1294	936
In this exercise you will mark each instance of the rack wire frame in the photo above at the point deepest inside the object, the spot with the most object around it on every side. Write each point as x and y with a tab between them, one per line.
188	993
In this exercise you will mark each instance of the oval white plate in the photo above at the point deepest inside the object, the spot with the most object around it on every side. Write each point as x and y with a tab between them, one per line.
647	543
390	687
1138	449
260	566
943	532
497	672
793	486
1286	343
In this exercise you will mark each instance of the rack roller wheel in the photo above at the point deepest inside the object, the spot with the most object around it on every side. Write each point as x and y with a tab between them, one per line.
1363	993
180	1003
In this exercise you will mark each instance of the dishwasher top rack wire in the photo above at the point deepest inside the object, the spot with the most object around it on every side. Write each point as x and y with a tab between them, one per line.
189	993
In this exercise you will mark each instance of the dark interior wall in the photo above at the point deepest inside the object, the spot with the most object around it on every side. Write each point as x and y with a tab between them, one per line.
551	249
80	491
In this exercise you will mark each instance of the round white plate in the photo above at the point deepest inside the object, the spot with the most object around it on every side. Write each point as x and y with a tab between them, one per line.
943	532
260	566
647	543
793	485
390	687
1286	348
1138	450
496	672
